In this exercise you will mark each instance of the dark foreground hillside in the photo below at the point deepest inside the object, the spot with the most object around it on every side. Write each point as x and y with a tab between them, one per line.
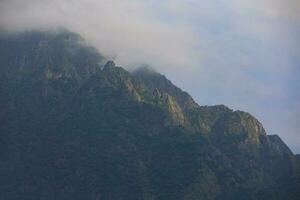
75	128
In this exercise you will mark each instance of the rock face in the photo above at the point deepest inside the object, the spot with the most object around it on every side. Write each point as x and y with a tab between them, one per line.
73	127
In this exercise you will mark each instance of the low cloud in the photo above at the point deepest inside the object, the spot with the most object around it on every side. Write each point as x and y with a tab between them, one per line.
123	30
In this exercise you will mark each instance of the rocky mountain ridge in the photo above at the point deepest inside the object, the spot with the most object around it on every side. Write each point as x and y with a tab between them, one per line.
73	127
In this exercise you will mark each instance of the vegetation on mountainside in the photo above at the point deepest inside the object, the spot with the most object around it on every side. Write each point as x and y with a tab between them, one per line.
73	127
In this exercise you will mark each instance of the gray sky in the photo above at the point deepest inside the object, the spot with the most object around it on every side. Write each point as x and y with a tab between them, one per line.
244	54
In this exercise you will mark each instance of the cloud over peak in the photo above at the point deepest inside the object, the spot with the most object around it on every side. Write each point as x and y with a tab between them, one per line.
123	30
241	53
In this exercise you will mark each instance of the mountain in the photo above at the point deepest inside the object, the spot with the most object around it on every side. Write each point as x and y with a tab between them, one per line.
73	125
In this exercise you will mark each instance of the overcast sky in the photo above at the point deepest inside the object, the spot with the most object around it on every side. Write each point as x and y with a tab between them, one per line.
244	54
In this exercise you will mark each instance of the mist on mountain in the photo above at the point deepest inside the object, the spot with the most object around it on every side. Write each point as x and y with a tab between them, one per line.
74	125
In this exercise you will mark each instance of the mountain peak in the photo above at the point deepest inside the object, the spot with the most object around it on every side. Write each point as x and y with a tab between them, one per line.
109	64
63	54
72	131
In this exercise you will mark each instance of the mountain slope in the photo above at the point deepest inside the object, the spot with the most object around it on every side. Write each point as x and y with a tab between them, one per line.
73	127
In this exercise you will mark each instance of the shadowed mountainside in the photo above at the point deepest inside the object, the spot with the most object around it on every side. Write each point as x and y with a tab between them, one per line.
73	127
